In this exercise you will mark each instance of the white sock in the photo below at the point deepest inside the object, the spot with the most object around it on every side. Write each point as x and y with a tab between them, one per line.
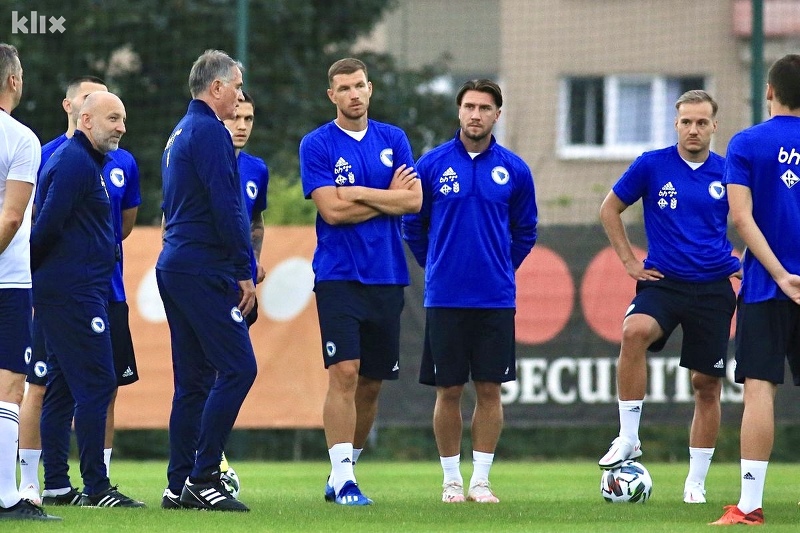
753	475
451	467
481	464
699	461
630	414
356	454
9	436
29	467
107	461
56	492
341	455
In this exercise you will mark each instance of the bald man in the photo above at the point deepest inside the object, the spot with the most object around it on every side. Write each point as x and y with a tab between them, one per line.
73	253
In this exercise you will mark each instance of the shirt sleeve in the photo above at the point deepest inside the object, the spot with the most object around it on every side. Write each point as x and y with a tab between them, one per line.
523	216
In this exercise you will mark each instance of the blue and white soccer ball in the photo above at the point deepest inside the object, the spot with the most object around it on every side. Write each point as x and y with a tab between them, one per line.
629	482
230	480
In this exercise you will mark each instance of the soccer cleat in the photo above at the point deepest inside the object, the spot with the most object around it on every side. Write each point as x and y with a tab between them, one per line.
694	493
110	497
620	450
350	494
733	516
330	492
73	497
453	492
210	496
481	492
31	492
170	500
25	510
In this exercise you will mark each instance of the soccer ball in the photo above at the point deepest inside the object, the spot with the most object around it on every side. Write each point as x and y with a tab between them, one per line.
629	482
230	480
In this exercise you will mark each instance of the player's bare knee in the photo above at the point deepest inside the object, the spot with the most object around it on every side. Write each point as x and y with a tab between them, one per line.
706	388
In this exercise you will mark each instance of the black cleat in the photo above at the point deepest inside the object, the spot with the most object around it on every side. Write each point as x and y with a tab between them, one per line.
73	497
25	510
110	497
211	496
170	500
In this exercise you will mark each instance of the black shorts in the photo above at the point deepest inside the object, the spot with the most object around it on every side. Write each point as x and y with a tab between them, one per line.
122	344
464	342
704	312
766	334
359	321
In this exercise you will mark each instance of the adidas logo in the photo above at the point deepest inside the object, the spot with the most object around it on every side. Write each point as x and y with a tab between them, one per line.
636	409
506	372
346	460
350	498
719	364
449	175
748	476
23	462
341	166
396	366
212	495
128	373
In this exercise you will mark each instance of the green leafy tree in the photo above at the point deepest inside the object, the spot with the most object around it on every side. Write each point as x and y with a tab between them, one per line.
144	51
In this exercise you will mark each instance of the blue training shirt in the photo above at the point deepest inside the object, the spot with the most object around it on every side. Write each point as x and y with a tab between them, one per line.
72	241
370	252
121	175
254	175
766	159
207	230
685	214
477	225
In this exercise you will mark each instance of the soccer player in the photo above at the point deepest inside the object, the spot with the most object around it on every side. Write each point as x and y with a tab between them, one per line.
205	280
359	174
73	254
121	176
254	175
761	171
476	226
683	281
20	153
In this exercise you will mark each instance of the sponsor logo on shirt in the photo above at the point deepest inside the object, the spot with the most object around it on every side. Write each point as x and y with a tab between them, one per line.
342	172
667	196
449	181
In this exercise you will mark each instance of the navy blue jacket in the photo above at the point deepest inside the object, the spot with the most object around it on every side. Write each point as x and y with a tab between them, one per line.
206	228
73	249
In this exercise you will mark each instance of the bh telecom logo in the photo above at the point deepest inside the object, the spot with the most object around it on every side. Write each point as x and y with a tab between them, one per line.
38	23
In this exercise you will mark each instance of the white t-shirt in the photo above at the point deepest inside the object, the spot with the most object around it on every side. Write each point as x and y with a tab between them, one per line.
20	154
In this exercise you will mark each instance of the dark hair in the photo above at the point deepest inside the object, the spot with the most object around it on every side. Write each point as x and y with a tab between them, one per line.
9	63
484	86
75	82
697	96
348	65
211	65
784	78
249	99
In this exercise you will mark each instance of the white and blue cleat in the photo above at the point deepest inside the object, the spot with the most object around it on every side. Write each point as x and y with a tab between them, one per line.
351	495
330	492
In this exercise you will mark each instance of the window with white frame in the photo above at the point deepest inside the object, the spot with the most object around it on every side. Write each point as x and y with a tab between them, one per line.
618	117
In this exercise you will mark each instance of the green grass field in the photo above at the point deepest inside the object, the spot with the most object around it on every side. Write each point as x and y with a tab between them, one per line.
535	496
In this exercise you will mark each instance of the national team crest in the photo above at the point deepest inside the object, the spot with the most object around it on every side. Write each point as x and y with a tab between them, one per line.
717	190
500	175
98	325
387	157
117	177
252	189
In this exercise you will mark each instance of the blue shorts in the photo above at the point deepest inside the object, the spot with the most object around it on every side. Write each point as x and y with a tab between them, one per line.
704	312
15	329
359	321
460	342
121	345
766	334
